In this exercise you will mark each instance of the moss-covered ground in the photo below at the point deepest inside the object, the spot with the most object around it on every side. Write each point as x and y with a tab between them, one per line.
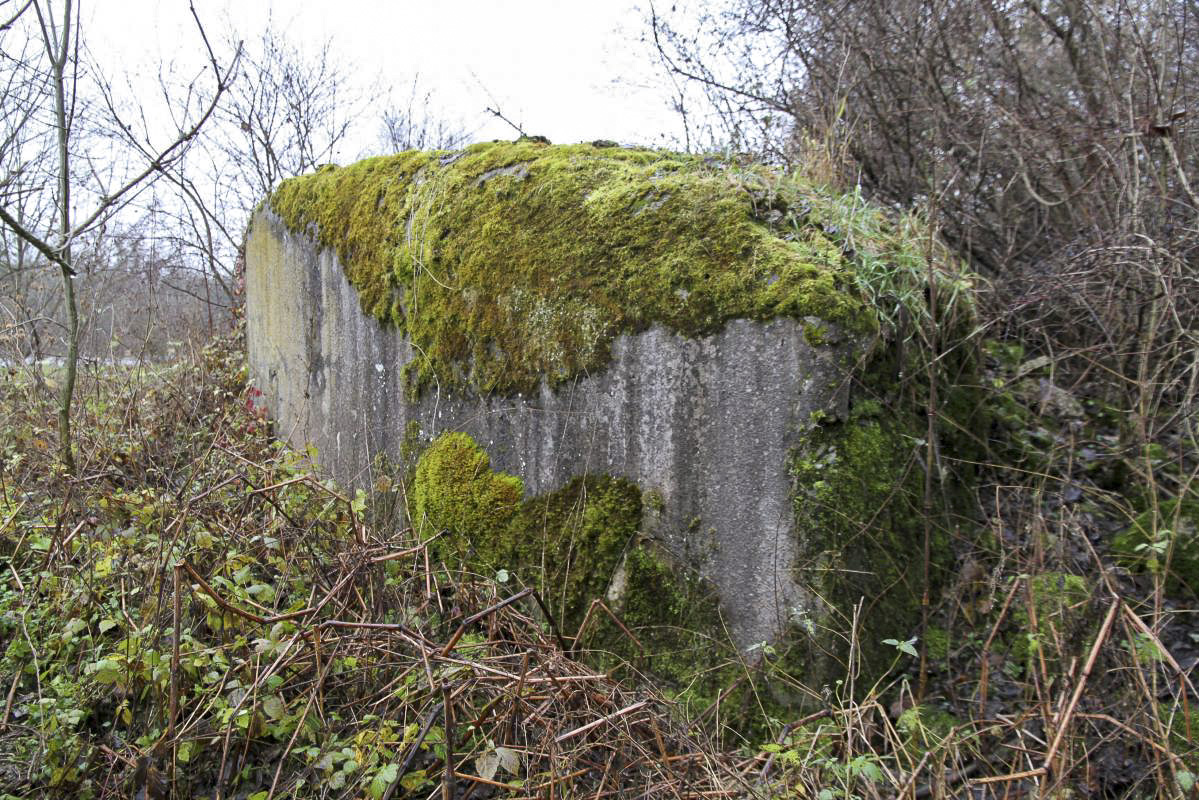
1165	541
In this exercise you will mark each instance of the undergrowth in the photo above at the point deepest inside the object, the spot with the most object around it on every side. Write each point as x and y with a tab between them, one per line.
195	614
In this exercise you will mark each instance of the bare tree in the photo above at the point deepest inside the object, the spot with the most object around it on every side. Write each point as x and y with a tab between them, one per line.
56	114
411	124
1053	140
287	113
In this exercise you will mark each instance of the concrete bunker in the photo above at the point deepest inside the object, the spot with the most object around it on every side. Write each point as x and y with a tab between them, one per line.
693	360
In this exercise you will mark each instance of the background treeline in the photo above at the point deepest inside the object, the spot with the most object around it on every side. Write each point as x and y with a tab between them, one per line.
154	268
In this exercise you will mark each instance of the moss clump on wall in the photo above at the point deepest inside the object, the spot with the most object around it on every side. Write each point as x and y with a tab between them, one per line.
676	616
507	263
455	488
859	488
570	544
1059	600
1172	543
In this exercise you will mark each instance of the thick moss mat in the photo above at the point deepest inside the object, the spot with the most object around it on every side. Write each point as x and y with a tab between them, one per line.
578	544
509	262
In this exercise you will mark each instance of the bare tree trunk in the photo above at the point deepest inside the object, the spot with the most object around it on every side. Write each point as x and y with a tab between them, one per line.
59	53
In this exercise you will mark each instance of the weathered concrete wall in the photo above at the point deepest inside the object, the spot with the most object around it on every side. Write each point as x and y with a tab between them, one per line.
706	422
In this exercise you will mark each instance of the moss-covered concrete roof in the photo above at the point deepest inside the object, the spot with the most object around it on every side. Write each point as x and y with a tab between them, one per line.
508	262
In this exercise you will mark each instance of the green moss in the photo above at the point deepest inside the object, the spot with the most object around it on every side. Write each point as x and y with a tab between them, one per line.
676	616
1182	723
1172	542
570	542
1060	602
574	545
858	510
925	727
455	490
411	445
937	641
509	262
860	499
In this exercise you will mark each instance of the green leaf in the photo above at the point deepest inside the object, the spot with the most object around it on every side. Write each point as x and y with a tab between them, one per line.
72	627
1186	780
870	771
413	780
383	778
274	707
907	647
106	670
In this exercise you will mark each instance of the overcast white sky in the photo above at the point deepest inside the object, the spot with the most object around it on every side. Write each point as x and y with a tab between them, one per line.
572	71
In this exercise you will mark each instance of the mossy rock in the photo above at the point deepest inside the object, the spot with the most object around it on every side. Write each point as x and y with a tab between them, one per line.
1171	545
503	271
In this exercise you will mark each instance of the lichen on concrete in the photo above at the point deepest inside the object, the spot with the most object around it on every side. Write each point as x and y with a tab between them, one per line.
507	263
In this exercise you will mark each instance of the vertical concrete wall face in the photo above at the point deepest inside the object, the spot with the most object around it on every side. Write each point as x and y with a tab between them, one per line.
707	422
